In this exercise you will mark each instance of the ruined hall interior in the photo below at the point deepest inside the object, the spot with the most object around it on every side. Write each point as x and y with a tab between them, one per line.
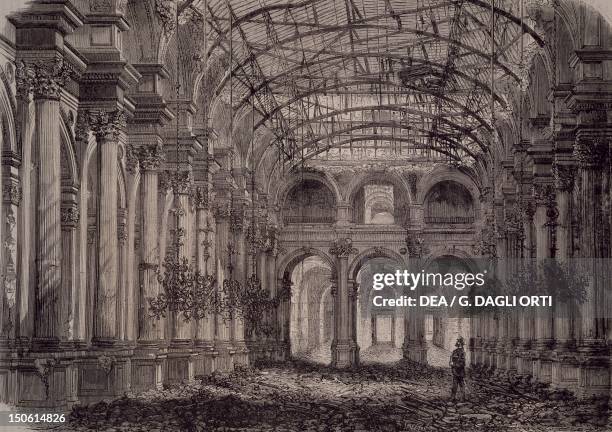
196	189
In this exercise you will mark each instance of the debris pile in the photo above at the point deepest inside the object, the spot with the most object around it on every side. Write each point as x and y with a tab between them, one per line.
299	396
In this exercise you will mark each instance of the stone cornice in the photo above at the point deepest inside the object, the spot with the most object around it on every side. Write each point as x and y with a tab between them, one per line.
60	15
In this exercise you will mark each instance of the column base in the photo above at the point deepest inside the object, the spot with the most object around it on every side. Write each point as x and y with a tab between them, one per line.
180	362
543	361
205	359
344	354
104	374
225	357
594	372
565	369
148	366
241	354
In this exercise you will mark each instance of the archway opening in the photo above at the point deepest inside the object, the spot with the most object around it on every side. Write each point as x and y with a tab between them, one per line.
444	325
380	328
450	203
309	201
311	314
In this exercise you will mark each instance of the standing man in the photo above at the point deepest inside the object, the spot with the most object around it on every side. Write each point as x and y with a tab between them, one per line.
457	365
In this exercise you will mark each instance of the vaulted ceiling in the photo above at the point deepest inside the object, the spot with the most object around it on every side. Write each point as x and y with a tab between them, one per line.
403	79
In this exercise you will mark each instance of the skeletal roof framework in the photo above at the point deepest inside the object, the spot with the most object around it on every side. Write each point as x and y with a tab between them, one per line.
405	79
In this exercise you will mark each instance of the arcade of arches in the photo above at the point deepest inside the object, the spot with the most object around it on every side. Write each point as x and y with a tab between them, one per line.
356	135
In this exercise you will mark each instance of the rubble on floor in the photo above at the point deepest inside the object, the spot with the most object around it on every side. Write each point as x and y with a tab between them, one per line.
304	397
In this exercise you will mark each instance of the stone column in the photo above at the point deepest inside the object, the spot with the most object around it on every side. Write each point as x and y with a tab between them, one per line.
237	221
122	273
223	344
205	327
525	319
353	295
70	306
181	330
544	223
11	198
592	152
24	319
564	371
147	363
107	126
49	78
150	330
343	349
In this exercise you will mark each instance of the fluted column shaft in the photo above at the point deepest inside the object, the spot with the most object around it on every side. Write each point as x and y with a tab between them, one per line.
544	223
221	240
181	329
106	127
343	350
592	155
564	181
149	329
205	331
47	323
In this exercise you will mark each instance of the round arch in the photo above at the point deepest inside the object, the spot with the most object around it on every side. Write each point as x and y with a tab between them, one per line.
447	174
295	179
387	176
292	259
375	252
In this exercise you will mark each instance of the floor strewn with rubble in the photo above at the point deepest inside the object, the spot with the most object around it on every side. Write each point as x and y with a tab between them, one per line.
303	397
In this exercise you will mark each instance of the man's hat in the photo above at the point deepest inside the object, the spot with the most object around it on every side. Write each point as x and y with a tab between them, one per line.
460	341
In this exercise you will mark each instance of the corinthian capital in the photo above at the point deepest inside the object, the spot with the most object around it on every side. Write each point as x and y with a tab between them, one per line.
200	197
543	193
47	77
107	124
343	248
591	151
151	157
564	177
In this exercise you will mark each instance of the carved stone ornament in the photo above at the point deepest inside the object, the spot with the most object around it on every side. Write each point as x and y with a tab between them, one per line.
150	157
101	5
70	216
200	197
543	193
11	194
564	177
222	210
48	77
166	10
107	124
343	248
591	151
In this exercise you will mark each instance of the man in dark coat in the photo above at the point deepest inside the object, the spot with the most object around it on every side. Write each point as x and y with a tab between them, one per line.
457	365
